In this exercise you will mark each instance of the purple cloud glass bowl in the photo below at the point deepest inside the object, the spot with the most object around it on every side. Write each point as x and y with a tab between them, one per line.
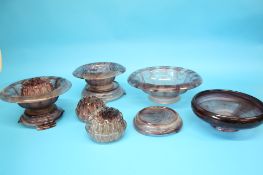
164	84
227	110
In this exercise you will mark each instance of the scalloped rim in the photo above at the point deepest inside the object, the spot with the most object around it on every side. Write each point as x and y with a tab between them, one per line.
79	73
153	87
65	85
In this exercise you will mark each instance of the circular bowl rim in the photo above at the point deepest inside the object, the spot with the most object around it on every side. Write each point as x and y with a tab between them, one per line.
156	107
65	86
225	118
170	88
89	76
146	132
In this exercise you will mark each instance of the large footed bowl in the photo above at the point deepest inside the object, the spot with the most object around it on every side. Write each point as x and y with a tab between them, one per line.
164	84
227	110
41	111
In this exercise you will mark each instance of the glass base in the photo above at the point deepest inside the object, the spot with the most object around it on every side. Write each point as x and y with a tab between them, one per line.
164	100
106	96
43	120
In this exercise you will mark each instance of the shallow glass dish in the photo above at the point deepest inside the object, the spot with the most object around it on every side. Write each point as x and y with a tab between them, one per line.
164	84
157	120
100	77
228	110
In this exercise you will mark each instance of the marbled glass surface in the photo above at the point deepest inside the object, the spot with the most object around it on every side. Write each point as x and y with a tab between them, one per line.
221	40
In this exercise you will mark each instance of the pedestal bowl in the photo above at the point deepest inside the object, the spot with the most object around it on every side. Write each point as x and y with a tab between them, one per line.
164	84
38	96
227	110
100	80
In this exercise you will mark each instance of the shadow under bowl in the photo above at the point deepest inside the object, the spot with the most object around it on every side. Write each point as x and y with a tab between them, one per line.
228	110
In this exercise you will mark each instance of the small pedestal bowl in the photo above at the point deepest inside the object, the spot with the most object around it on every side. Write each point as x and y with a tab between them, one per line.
37	95
227	110
164	84
100	80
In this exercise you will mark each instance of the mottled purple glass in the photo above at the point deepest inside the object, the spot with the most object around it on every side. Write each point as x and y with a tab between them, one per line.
164	84
228	110
100	78
157	120
38	96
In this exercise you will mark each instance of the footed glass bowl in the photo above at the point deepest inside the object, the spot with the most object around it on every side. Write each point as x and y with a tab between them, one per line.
227	110
100	77
38	96
164	84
